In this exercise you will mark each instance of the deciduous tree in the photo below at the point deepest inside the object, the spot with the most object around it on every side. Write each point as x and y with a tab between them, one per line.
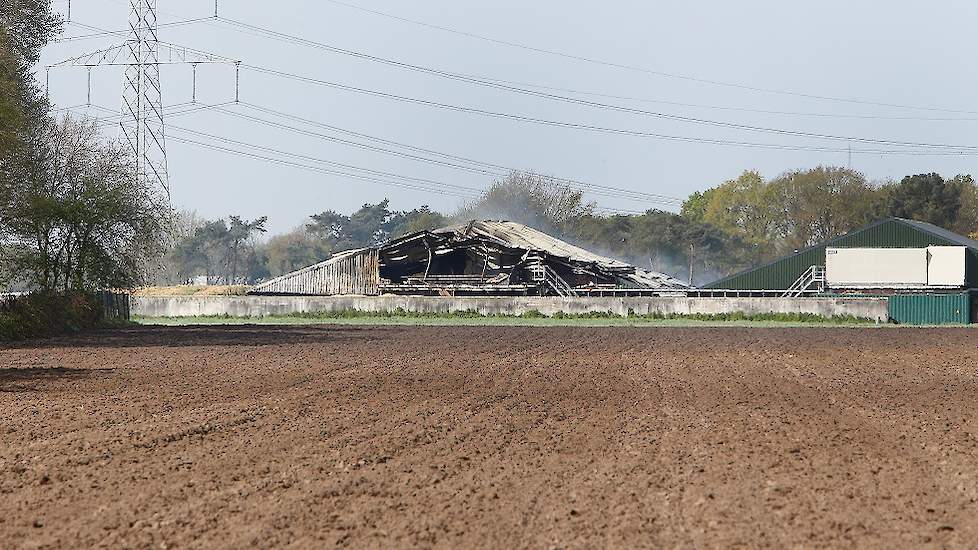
742	207
80	218
924	197
538	201
294	250
811	206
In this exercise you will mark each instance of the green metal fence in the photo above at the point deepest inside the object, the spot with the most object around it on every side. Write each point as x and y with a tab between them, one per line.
931	309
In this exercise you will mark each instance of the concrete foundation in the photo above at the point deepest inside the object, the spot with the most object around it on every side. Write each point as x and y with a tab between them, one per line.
259	306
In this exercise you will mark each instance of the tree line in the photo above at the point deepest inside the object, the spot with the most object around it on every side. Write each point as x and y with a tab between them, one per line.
231	251
726	228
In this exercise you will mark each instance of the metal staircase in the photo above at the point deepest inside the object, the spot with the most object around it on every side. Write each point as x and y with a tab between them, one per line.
542	274
811	281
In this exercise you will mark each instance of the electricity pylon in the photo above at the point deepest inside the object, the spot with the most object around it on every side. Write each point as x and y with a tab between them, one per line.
142	126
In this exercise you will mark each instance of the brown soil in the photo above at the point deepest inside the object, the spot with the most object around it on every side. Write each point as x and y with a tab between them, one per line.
490	437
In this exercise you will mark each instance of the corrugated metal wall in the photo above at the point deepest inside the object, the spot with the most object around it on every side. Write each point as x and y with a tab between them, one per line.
780	274
355	273
931	309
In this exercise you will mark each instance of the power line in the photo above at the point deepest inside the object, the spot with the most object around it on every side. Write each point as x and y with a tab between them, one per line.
435	187
492	170
453	189
270	33
170	111
615	211
593	188
350	143
583	102
512	86
371	171
580	126
308	158
315	168
373	175
625	66
594	128
123	32
729	107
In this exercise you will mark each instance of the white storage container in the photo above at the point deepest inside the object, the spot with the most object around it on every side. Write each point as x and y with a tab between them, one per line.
946	266
935	266
876	267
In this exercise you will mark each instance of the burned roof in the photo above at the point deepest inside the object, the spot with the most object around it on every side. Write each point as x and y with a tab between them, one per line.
482	258
514	248
518	236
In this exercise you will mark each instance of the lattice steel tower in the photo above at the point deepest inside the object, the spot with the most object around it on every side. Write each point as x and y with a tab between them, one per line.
142	125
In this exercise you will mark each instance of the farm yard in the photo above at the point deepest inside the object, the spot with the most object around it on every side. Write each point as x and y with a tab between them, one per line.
490	436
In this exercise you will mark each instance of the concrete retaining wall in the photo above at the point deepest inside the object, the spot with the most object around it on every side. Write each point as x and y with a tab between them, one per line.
258	306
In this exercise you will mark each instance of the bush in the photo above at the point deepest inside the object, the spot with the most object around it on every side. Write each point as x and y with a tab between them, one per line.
40	315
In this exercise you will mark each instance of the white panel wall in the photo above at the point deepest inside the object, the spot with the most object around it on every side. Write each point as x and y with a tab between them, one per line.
935	266
947	265
876	267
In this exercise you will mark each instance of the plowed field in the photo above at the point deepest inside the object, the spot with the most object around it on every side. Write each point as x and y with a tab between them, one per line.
390	437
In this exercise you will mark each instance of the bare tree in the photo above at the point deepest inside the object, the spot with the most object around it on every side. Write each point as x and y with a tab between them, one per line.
538	201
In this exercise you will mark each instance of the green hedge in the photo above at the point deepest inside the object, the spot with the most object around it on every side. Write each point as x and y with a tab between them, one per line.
41	315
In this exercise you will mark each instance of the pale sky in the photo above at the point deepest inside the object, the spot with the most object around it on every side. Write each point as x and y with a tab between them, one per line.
896	52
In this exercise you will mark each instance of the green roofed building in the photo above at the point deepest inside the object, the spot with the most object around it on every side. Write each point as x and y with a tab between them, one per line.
781	274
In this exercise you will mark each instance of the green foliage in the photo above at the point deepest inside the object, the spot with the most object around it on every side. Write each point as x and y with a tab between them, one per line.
812	206
926	197
31	24
413	221
664	242
694	207
11	114
222	252
762	317
371	225
804	207
365	227
294	250
25	27
742	207
967	220
80	219
48	314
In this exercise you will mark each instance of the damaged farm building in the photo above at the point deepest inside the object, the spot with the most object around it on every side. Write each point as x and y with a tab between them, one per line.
479	258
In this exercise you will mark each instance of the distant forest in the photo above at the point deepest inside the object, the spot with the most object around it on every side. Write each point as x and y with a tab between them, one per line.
739	223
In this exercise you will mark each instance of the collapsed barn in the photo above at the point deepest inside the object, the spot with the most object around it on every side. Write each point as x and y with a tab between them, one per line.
479	258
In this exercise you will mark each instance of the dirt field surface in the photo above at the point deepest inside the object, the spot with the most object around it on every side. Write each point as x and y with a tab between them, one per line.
389	437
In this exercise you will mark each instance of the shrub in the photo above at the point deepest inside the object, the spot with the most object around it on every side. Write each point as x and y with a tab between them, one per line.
40	315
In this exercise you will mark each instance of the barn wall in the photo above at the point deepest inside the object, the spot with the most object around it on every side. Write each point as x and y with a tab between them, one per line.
353	274
892	233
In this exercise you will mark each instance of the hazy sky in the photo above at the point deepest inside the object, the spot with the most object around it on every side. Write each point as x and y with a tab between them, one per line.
895	52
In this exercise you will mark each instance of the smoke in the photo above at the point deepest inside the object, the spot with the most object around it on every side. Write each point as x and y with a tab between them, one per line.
546	204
